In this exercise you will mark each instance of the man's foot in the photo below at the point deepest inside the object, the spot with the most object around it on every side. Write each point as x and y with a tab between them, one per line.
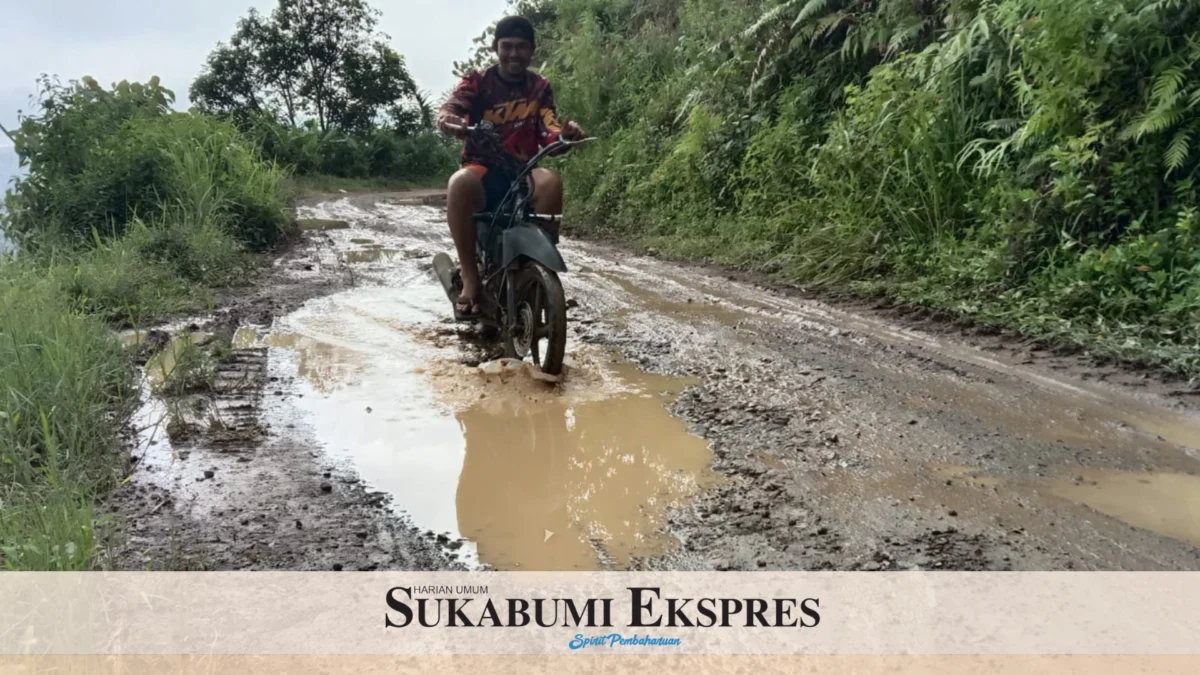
466	308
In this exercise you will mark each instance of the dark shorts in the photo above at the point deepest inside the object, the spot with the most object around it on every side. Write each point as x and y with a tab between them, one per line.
495	184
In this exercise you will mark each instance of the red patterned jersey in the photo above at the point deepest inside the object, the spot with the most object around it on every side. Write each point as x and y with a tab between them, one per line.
523	113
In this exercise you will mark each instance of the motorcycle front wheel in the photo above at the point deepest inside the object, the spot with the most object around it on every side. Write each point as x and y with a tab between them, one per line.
540	327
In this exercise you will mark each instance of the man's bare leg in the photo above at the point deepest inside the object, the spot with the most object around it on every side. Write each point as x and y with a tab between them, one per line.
464	198
547	195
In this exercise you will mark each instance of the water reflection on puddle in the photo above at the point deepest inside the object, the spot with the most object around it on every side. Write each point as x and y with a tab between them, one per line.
324	366
538	477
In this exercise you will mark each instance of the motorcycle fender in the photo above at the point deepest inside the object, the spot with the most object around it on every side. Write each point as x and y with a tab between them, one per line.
533	243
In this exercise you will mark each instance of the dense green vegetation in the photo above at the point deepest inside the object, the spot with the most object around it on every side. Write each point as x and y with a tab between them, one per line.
64	378
131	212
319	90
1028	163
380	157
99	161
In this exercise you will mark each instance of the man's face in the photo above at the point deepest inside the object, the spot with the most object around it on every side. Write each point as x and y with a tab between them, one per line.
515	55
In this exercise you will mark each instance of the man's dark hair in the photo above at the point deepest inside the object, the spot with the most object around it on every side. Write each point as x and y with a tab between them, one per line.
514	26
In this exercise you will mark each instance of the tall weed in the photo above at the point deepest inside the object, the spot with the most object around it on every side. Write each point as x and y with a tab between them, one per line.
129	213
66	383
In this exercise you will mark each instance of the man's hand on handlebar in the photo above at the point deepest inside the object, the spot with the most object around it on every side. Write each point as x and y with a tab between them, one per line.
453	125
571	131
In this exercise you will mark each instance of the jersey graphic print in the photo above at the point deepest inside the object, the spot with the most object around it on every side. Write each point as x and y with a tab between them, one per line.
523	113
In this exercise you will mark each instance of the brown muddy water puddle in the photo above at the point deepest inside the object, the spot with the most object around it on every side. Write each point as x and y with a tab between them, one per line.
1167	503
535	476
562	480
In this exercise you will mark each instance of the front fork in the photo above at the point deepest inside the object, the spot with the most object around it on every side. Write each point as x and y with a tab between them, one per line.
510	313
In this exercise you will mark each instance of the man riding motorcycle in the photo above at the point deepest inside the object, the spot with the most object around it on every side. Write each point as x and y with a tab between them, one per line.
519	104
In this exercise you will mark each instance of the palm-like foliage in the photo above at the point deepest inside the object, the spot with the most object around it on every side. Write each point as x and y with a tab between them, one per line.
868	30
425	108
1173	107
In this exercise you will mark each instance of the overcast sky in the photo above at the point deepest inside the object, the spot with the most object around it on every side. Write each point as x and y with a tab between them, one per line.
112	40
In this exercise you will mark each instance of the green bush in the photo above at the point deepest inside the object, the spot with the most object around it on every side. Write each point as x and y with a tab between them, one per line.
68	385
1027	162
150	273
101	159
129	214
416	156
296	148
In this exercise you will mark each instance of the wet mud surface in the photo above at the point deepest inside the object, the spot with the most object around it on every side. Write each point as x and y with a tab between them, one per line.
705	421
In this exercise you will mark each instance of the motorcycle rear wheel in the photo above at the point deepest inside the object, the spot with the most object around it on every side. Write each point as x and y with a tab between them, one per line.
540	326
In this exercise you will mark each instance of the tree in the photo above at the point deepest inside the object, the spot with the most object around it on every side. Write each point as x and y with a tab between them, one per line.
481	56
314	59
540	12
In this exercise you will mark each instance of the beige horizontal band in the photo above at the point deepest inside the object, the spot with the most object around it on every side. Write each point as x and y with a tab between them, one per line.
585	665
268	613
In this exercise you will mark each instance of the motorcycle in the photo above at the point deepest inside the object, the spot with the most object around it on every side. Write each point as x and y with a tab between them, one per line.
521	296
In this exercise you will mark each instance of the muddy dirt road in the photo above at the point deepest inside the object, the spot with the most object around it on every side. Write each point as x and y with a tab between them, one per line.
704	423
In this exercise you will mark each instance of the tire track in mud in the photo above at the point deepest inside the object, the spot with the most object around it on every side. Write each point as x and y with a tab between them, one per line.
802	436
248	493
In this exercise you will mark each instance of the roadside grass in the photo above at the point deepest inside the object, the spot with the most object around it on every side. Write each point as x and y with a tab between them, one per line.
67	384
1028	164
130	213
141	226
184	367
1130	343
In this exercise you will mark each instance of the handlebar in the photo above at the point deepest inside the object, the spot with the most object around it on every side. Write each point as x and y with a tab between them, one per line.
475	128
